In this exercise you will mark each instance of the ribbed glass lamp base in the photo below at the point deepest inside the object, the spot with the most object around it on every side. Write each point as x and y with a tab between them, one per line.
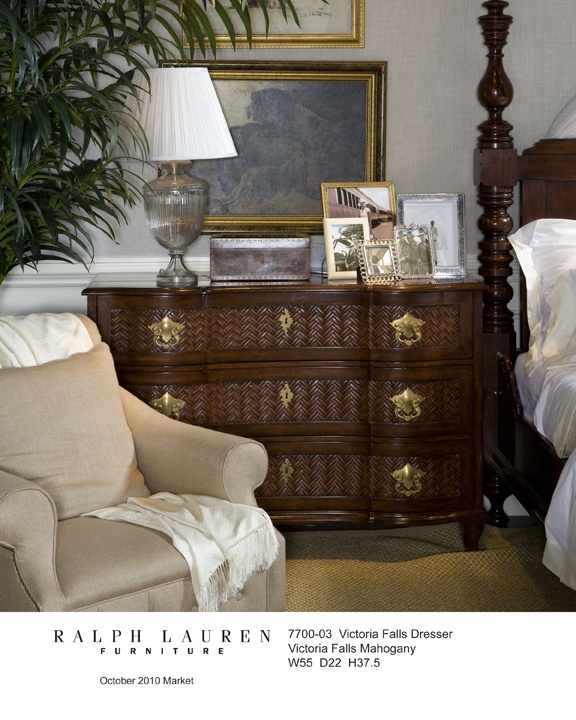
176	275
175	205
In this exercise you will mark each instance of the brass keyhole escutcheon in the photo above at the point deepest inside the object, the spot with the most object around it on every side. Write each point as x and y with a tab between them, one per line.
286	321
286	395
408	480
166	333
168	405
408	329
407	405
286	470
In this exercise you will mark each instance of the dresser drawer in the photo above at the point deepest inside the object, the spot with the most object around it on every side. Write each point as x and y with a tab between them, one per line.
157	336
423	474
317	481
284	402
423	402
424	327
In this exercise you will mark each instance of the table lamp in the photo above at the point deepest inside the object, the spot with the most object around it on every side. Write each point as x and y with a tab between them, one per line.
183	121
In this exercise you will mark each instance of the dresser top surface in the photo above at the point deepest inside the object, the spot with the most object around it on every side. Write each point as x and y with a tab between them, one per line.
138	282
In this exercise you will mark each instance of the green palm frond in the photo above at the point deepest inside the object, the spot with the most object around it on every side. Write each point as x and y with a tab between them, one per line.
66	70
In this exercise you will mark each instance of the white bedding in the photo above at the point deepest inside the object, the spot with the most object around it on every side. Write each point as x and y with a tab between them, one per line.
529	386
555	411
560	550
546	374
548	398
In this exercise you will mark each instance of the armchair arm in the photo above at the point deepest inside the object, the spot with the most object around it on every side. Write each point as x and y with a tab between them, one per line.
180	458
28	523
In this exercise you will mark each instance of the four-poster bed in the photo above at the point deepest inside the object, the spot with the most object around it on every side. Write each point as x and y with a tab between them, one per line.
518	459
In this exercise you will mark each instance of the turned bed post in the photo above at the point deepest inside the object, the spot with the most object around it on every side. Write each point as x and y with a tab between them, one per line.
495	176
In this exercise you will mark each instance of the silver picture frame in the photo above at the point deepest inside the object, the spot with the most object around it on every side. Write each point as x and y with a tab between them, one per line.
443	213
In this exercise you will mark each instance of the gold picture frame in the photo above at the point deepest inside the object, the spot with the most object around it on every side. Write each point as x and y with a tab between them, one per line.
337	24
378	262
291	125
374	200
415	252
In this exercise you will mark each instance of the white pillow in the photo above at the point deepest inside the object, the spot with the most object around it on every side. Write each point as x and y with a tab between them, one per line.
546	249
564	126
559	345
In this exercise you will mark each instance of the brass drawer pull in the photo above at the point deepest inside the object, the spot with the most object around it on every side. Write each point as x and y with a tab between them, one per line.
286	321
168	405
408	329
286	395
408	480
166	333
407	405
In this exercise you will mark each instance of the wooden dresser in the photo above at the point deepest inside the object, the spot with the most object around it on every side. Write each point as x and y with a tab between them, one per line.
368	399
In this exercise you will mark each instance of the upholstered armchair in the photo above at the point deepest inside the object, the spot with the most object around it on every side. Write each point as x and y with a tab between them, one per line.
72	442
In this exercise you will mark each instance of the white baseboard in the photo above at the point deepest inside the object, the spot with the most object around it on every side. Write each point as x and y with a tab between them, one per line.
58	286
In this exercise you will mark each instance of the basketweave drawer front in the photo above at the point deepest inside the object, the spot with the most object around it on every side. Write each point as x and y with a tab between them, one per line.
283	405
424	474
424	402
316	468
157	335
300	331
285	402
432	326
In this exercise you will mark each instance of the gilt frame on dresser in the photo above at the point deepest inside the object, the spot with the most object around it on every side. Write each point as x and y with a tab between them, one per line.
517	459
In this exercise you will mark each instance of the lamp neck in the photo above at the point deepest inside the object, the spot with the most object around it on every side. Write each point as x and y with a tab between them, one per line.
174	167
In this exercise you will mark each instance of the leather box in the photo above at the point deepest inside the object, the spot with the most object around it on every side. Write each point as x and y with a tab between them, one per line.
259	258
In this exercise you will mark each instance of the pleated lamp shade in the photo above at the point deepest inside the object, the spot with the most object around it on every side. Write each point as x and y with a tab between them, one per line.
183	121
181	115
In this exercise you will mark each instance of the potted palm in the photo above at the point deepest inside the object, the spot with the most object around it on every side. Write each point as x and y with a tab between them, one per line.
66	69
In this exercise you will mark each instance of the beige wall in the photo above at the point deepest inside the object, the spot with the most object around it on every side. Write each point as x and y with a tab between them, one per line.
436	58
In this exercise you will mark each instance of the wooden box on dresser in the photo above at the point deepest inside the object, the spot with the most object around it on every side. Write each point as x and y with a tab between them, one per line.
367	398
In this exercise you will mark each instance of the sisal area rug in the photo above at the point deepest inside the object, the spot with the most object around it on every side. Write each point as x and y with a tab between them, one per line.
421	570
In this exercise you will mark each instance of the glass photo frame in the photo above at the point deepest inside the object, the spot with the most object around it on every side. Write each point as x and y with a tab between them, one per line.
415	252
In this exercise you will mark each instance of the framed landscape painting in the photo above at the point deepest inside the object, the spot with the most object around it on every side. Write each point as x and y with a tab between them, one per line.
295	126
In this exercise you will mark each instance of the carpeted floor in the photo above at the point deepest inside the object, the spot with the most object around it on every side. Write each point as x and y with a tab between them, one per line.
421	570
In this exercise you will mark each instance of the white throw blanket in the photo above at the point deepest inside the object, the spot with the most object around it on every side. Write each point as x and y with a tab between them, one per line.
29	340
224	543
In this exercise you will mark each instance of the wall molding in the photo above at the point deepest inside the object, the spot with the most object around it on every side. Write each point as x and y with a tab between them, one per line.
57	286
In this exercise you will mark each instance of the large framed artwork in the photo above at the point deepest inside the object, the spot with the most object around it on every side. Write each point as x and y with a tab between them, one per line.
338	23
296	125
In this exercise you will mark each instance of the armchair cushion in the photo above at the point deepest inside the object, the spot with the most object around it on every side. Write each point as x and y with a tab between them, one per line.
64	428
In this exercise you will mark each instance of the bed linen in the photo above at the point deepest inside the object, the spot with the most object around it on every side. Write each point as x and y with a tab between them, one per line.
555	410
560	525
529	386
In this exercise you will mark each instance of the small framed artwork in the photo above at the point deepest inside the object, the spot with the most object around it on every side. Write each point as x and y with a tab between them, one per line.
375	201
338	23
444	215
378	262
415	251
342	237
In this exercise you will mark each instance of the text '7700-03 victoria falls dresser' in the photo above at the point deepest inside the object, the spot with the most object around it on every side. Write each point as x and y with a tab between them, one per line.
367	398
